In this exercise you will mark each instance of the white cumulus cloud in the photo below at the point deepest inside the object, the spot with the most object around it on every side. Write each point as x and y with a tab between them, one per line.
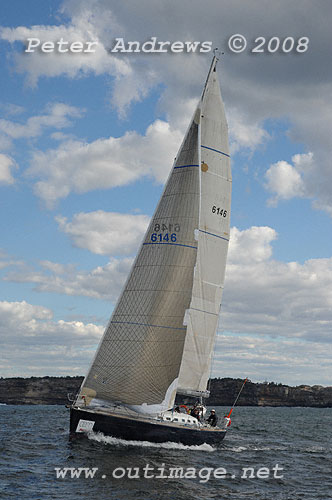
286	180
32	342
251	245
103	282
57	115
105	163
7	165
281	360
91	24
275	316
244	132
105	233
262	296
269	297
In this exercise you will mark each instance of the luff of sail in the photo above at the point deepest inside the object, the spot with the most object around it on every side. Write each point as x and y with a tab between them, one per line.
138	360
213	236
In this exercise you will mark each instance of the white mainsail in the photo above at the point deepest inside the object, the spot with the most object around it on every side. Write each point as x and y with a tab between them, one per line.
147	351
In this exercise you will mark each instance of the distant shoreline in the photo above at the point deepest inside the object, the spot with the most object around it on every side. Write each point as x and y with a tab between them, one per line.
54	390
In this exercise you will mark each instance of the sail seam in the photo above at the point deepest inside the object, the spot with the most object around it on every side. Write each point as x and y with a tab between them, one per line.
184	166
212	234
216	150
217	175
175	244
147	324
201	310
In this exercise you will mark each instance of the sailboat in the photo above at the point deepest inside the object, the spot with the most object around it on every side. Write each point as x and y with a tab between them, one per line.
158	344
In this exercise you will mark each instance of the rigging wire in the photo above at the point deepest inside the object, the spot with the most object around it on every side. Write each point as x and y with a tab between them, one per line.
237	397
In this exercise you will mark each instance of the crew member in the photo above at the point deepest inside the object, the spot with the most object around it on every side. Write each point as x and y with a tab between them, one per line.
213	419
195	413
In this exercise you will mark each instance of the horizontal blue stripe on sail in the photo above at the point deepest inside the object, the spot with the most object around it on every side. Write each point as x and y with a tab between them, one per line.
176	244
147	324
184	166
212	234
217	151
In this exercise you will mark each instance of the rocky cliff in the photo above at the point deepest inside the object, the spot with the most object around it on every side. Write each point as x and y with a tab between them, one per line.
54	390
38	390
225	390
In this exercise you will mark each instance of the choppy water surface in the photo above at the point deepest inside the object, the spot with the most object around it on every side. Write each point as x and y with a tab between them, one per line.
291	442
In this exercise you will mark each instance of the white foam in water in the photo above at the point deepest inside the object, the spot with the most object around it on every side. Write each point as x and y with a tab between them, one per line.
314	449
100	438
236	449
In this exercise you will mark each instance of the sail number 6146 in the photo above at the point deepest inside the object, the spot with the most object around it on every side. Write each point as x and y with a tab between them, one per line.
163	237
219	211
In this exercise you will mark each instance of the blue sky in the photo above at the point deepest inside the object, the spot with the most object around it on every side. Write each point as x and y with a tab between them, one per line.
86	143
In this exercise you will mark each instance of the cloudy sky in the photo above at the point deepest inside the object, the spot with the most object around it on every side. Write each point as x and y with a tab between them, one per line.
87	141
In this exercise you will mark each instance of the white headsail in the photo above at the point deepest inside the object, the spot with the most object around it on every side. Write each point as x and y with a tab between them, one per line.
213	237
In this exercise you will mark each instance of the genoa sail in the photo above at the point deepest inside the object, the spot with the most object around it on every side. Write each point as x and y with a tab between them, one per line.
161	334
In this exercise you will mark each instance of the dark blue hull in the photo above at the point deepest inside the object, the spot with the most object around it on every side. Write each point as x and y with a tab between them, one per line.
142	429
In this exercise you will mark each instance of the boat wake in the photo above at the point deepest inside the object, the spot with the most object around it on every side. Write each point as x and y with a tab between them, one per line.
101	438
240	449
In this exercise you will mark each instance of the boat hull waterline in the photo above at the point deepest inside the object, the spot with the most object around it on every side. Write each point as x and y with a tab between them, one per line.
141	429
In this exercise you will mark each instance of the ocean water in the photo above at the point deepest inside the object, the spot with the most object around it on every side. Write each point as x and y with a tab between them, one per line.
288	452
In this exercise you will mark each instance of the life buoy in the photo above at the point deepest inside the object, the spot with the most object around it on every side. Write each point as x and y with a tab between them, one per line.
186	408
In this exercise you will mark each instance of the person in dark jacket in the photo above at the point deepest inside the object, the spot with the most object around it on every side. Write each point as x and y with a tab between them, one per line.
195	413
213	419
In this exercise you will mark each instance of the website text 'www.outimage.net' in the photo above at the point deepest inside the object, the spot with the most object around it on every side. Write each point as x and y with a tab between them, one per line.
203	474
